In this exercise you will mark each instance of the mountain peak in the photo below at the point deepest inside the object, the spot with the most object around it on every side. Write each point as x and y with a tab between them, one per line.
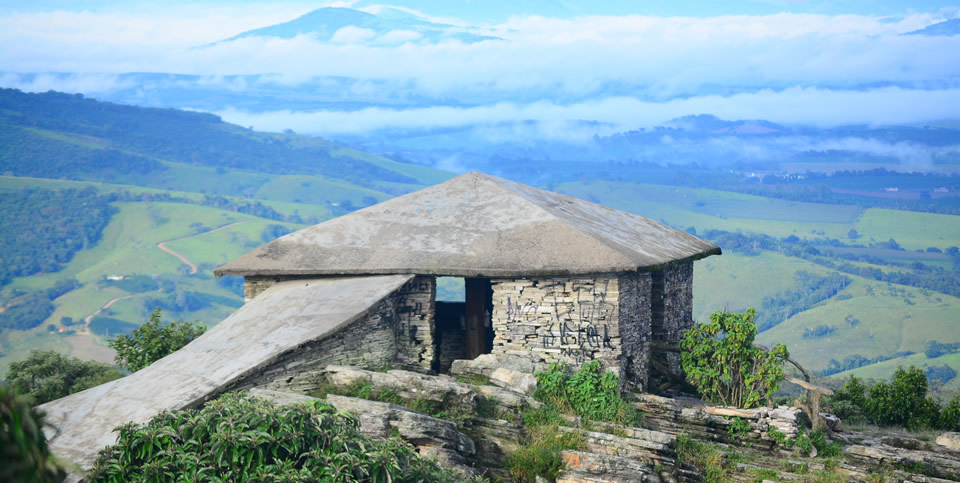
324	23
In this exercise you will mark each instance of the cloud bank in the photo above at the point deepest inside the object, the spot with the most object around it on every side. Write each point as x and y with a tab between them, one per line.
623	72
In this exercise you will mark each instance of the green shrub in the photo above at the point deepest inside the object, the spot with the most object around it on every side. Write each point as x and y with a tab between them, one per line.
47	375
950	415
849	402
24	455
239	437
589	393
720	360
738	428
904	401
824	448
152	341
543	454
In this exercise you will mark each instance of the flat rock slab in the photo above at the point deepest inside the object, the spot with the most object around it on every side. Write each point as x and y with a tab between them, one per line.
280	319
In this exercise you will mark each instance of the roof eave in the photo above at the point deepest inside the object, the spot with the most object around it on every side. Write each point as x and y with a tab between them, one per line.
460	272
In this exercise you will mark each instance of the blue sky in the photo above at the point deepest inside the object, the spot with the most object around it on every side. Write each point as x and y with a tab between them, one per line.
620	64
494	11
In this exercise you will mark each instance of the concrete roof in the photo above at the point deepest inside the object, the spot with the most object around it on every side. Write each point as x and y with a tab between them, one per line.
282	318
476	225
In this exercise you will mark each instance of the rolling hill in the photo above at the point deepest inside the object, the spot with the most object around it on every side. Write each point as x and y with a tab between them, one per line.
188	192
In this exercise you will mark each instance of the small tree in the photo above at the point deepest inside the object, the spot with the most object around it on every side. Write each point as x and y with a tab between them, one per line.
47	375
721	361
904	401
152	341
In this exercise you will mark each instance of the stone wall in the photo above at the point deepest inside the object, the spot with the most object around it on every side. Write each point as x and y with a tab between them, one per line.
415	329
575	320
370	341
635	327
397	331
672	311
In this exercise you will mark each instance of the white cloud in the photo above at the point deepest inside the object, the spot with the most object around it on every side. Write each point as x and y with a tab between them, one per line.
797	106
625	72
352	35
399	36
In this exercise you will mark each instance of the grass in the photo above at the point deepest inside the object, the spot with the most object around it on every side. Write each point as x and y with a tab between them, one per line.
888	324
911	230
733	281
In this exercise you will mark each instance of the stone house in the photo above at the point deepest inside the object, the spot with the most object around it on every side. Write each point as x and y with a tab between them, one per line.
546	278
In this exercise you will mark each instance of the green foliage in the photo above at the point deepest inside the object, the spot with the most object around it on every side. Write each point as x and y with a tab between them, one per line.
47	375
40	230
780	438
825	449
950	415
720	360
738	428
849	403
24	455
803	443
239	437
590	393
542	455
904	401
153	341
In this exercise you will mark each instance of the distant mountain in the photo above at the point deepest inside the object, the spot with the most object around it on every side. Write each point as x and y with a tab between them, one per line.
940	29
389	26
56	135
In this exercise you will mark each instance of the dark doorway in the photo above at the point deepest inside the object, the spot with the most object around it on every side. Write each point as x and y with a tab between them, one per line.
478	307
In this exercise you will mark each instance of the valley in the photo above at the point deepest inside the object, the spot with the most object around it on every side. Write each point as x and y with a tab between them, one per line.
211	210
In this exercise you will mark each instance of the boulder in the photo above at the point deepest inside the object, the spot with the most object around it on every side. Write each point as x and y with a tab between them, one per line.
485	364
581	467
433	437
950	441
522	382
407	384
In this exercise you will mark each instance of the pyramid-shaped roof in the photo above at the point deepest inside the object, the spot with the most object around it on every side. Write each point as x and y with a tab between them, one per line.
475	225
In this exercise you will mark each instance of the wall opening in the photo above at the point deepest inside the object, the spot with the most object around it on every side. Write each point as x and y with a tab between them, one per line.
463	329
479	306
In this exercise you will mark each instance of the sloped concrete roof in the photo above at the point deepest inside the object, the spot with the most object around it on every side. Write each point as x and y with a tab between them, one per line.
282	318
475	225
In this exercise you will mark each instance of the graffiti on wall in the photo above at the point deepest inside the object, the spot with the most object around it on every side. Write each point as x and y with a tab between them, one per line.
410	306
577	324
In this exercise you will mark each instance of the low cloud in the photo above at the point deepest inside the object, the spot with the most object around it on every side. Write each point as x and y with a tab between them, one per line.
811	106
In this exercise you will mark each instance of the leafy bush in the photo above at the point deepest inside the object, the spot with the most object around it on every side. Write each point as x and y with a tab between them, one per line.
904	401
738	428
239	437
590	392
47	375
849	403
950	415
24	455
152	341
720	360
